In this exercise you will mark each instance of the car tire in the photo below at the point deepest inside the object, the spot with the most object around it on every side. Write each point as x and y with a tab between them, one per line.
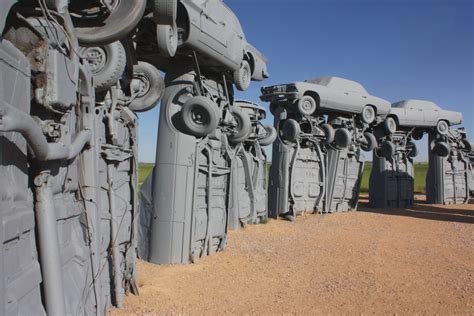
290	130
442	149
244	126
165	11
107	64
149	85
273	108
371	142
121	21
243	76
412	149
199	116
387	150
307	105
343	138
329	133
270	137
442	128
390	125
368	114
418	135
167	39
467	146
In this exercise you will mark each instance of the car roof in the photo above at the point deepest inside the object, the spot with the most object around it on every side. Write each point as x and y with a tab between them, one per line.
416	104
338	84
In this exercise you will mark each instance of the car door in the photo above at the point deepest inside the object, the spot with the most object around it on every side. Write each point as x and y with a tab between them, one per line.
415	116
334	100
213	25
431	116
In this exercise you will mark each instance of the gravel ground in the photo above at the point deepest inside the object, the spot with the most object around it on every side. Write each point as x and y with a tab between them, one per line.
417	261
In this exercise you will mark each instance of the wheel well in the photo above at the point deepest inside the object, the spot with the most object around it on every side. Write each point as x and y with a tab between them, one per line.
182	20
315	96
447	122
373	107
249	57
394	117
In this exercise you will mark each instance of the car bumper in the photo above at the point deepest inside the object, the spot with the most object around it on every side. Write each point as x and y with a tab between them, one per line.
279	97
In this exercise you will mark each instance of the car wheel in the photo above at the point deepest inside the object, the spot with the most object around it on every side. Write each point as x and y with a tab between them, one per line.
412	150
107	64
442	149
148	86
343	138
368	114
167	39
390	125
273	108
99	29
387	150
290	130
466	145
269	137
307	105
329	133
243	76
442	127
417	135
243	126
165	11
199	117
371	142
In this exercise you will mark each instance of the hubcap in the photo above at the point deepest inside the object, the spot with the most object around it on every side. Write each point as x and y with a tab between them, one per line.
97	58
140	84
200	117
307	105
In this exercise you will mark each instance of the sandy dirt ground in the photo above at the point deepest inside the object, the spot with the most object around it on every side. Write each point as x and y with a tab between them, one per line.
367	262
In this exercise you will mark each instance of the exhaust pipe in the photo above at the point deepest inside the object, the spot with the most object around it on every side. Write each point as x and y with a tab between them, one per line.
14	120
49	246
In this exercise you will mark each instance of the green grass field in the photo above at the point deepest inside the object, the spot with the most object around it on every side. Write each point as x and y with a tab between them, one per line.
144	169
421	169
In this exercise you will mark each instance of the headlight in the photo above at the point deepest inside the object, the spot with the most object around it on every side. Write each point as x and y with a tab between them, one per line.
291	88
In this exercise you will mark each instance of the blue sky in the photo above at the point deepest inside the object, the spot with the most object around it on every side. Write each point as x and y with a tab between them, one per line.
418	49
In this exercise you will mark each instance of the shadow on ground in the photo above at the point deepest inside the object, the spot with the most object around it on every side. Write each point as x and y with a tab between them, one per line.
422	210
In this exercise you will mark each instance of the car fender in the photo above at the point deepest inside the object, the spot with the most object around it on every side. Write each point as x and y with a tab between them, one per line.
399	115
258	63
382	107
453	118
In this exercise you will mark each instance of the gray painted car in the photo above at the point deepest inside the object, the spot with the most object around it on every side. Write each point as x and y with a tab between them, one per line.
331	95
213	31
422	114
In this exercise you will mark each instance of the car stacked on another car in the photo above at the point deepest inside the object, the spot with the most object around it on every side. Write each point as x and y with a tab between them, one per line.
419	116
208	29
348	105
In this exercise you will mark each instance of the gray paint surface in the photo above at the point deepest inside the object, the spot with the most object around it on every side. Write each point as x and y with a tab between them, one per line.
448	178
392	179
73	153
317	170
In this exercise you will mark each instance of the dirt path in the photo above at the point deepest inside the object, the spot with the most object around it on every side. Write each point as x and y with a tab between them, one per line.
371	261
